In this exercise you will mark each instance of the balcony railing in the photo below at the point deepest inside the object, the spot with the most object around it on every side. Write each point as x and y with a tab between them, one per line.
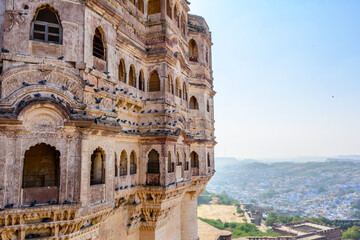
40	194
45	180
195	171
153	179
133	169
123	171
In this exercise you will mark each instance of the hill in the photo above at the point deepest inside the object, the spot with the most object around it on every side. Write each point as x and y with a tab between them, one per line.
310	189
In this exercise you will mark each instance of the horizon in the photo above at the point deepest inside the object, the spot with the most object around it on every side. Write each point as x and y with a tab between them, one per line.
287	77
300	159
297	158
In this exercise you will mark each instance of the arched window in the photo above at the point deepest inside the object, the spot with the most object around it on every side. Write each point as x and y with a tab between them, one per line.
41	167
132	76
193	103
123	163
154	7
170	84
178	88
133	167
46	26
122	71
116	166
168	9
176	16
141	81
194	160
208	160
170	164
183	24
193	51
141	5
97	172
178	162
154	82
184	92
208	105
186	168
98	45
153	162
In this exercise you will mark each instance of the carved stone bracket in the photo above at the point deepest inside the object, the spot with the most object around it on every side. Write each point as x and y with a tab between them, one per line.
13	18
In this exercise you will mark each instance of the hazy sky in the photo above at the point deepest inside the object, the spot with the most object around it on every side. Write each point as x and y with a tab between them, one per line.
277	64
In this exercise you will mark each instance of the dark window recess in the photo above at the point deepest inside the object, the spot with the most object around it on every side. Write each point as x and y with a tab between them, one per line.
153	162
46	27
41	167
98	46
153	167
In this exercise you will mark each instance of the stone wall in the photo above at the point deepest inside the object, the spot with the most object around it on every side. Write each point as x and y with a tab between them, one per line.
2	22
60	95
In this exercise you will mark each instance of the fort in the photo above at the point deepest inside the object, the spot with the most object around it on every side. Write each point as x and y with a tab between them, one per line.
106	119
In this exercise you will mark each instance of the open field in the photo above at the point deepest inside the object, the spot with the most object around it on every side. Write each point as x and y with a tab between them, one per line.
222	212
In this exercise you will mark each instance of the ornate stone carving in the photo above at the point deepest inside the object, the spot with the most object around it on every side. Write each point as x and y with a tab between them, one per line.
9	235
13	79
13	17
62	113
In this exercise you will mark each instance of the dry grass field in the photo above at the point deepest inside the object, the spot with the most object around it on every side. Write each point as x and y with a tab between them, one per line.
222	212
208	232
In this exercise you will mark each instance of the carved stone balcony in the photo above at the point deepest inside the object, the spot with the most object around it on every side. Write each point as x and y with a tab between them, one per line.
40	195
153	179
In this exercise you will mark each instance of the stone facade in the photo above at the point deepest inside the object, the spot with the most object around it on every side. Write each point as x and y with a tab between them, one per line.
308	230
106	119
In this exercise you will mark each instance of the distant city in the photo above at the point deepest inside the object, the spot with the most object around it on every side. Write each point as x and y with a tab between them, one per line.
313	189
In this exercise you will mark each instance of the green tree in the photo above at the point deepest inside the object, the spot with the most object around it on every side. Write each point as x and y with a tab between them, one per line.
204	199
224	199
351	234
247	206
239	210
270	221
239	229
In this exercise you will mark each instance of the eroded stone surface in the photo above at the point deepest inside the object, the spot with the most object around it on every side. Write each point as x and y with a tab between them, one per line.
63	97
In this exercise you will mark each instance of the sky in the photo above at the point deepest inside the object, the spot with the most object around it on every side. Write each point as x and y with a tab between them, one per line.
287	76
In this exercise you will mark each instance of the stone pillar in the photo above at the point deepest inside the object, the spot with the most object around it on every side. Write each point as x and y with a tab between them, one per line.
65	180
85	172
163	165
142	165
2	21
163	9
189	226
77	171
21	234
13	172
146	9
2	170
